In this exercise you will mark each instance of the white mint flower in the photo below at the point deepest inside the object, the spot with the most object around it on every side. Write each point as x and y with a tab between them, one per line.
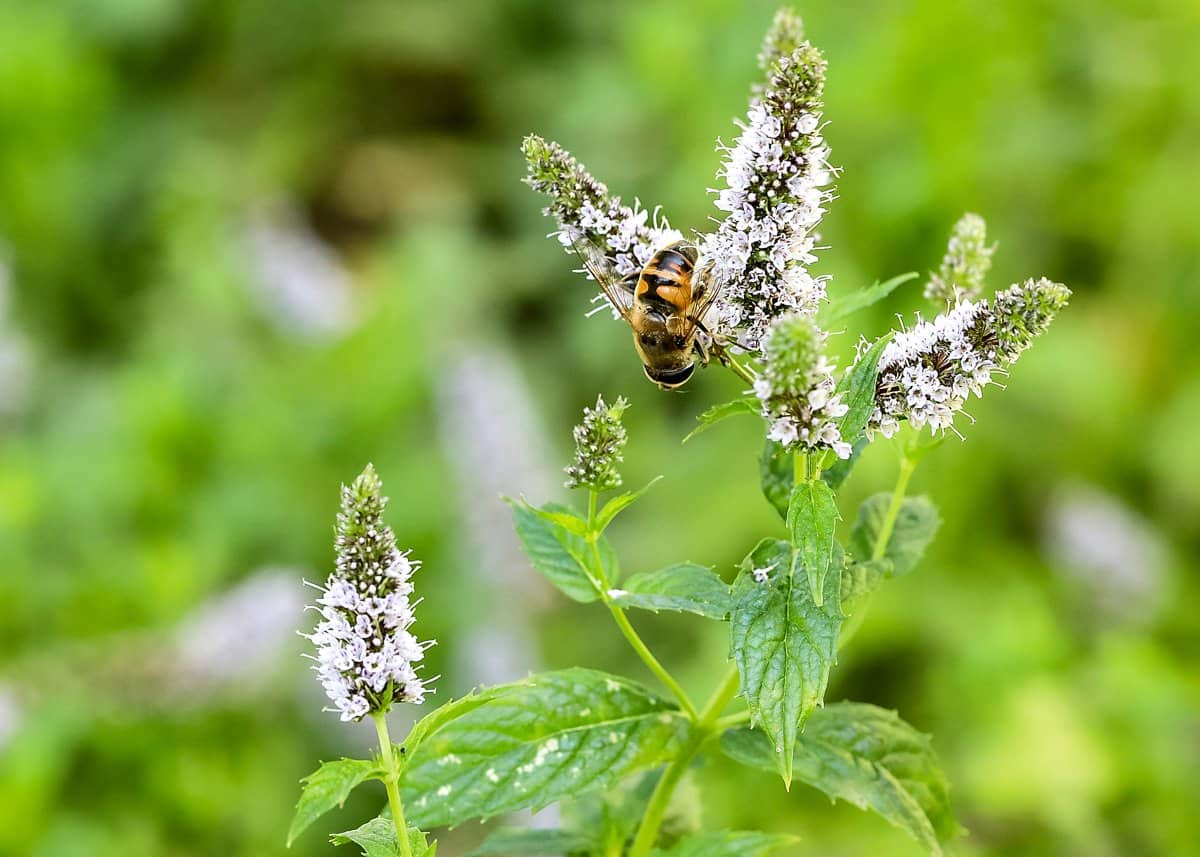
599	445
777	178
927	373
797	388
366	658
584	210
967	260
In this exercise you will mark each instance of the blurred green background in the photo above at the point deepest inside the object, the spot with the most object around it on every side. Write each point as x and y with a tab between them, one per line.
249	245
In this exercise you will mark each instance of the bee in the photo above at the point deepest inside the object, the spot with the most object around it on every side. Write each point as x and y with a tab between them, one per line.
664	304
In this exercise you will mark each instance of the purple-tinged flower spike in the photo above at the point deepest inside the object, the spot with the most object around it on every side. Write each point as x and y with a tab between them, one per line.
582	208
797	388
967	260
927	373
599	447
777	176
366	657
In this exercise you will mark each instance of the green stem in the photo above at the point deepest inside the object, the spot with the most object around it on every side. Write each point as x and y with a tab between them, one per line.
800	467
704	727
391	771
907	466
627	629
738	369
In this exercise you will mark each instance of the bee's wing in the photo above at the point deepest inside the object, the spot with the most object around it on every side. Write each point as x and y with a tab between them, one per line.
705	291
616	290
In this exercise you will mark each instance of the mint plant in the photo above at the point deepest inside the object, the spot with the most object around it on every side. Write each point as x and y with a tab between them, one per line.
612	751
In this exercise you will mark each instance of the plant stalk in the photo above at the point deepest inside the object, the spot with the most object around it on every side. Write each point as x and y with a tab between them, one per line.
703	728
907	466
391	777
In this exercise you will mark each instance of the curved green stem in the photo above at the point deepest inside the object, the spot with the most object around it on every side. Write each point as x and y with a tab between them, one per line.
907	466
391	777
627	629
704	727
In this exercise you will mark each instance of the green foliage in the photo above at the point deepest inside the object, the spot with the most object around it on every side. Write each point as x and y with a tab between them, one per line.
723	411
377	838
729	843
857	389
811	519
783	644
843	306
870	757
514	842
617	504
558	552
531	743
685	587
327	788
915	527
776	472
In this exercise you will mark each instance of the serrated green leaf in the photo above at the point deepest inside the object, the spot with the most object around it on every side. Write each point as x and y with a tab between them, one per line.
535	742
532	843
327	788
560	555
776	469
568	520
811	520
915	527
783	644
614	506
870	757
857	389
729	843
377	838
838	472
723	411
859	580
842	306
685	587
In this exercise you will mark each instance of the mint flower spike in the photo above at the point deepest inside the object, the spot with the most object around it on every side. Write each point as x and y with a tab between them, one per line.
784	36
366	658
967	260
599	444
927	373
777	180
797	388
583	208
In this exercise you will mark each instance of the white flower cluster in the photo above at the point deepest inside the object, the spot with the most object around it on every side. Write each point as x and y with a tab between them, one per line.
599	445
777	176
966	263
366	656
583	209
927	373
797	388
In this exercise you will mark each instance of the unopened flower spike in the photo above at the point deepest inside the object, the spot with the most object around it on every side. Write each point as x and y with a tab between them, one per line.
926	373
797	388
966	263
583	208
599	447
366	656
777	178
784	36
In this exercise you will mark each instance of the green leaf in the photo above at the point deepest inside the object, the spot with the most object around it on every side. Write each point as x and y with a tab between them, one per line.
845	305
837	473
776	468
857	389
783	644
569	521
327	788
859	580
614	506
531	743
729	843
916	525
811	519
717	413
377	838
559	554
686	587
870	757
531	843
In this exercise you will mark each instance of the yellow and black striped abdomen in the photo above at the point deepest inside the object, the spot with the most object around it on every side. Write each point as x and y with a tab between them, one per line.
666	280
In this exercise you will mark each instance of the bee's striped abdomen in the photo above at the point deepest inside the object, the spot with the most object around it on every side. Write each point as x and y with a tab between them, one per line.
667	277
